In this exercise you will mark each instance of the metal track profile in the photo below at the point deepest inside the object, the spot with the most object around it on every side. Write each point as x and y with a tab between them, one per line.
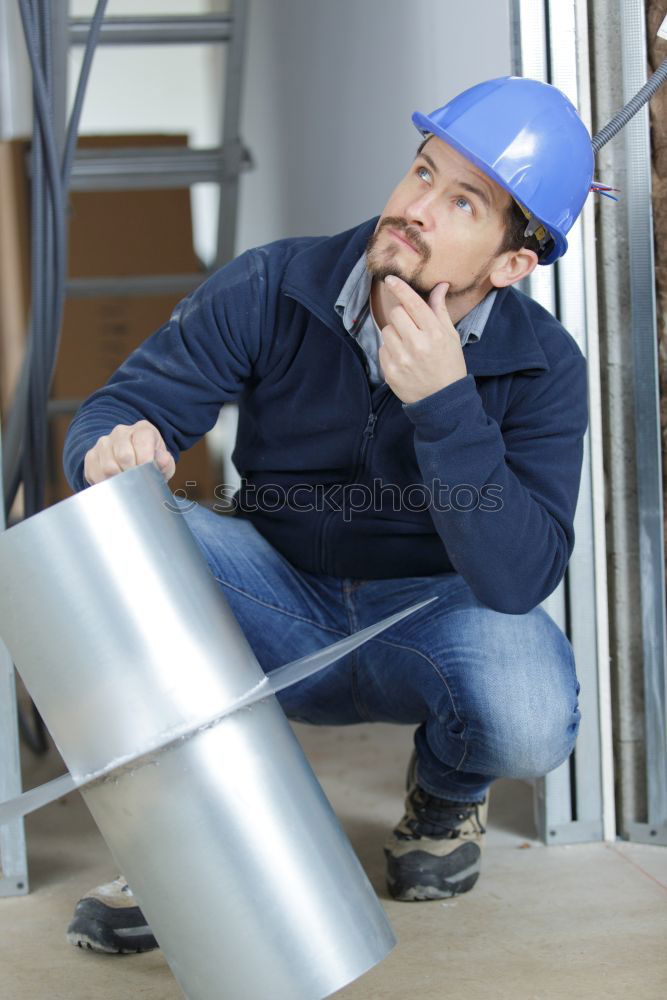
592	772
237	159
529	57
552	794
638	207
575	802
132	168
205	28
133	286
137	168
13	859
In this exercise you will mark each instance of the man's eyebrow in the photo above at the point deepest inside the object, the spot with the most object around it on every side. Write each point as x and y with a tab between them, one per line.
466	185
431	162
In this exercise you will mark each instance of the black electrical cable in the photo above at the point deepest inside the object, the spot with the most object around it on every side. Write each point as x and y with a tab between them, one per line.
18	424
27	426
31	394
36	234
33	734
34	452
622	117
56	294
39	207
73	127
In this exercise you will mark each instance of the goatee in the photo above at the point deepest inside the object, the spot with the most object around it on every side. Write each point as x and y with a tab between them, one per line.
380	263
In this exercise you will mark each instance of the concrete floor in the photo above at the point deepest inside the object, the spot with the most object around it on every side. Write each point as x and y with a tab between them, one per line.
542	923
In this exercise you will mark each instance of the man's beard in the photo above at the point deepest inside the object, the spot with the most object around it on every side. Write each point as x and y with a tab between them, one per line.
380	263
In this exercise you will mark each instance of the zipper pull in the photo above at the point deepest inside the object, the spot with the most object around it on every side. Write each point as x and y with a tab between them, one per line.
370	426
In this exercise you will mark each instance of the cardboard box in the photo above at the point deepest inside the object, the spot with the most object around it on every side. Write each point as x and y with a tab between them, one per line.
98	334
14	265
111	234
131	232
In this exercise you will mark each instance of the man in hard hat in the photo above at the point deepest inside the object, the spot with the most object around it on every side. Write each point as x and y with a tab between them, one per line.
410	425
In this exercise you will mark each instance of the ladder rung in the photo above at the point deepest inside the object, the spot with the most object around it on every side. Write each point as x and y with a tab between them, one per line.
153	167
61	407
131	286
205	28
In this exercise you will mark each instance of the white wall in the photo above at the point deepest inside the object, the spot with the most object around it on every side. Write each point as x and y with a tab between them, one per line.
160	88
330	87
15	81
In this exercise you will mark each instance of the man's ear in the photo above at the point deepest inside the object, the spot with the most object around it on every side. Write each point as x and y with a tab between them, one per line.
512	266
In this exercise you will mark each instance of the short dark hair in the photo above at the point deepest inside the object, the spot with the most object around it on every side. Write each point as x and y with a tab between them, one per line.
515	228
515	225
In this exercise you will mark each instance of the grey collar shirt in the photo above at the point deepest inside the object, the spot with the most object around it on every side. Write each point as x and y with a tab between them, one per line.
353	307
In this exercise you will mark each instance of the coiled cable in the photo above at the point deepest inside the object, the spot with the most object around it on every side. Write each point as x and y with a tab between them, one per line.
622	117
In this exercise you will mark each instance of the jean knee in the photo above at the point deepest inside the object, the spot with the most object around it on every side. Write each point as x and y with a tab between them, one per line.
522	715
538	739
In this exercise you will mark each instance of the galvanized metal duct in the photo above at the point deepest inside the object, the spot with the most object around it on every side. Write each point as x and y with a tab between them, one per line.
121	633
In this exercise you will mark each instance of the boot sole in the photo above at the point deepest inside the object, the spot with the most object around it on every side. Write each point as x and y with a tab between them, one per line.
110	930
419	876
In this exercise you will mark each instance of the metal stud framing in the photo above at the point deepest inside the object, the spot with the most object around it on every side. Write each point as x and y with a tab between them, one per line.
637	204
13	860
575	802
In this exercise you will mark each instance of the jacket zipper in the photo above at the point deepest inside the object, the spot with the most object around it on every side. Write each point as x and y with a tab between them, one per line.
366	437
369	429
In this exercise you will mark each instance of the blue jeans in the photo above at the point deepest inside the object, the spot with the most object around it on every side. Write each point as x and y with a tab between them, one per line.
491	694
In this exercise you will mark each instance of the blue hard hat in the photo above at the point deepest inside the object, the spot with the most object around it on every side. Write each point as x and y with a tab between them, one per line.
528	137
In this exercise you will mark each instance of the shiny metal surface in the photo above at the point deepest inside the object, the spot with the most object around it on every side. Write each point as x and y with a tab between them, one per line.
121	634
278	680
125	630
246	874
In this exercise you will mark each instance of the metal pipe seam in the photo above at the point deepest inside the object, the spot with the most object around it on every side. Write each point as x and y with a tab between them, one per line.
277	681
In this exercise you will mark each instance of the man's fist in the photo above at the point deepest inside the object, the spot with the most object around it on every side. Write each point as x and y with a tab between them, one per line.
124	448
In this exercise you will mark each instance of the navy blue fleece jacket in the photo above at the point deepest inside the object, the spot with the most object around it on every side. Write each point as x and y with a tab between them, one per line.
480	478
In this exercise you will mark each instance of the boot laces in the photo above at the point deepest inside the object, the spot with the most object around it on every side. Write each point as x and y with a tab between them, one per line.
430	816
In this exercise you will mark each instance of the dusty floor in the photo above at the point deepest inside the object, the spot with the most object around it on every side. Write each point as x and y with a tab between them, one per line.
542	923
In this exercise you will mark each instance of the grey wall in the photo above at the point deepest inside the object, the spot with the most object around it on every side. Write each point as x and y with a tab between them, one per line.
329	89
15	81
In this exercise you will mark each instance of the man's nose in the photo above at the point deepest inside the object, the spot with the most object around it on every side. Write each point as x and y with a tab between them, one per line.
419	212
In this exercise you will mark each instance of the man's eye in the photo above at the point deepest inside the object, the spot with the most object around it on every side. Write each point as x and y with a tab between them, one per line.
465	204
424	173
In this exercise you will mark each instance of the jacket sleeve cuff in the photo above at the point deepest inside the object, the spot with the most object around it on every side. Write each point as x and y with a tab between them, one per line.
430	411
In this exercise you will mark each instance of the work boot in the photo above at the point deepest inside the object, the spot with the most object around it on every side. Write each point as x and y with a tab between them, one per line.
435	850
109	920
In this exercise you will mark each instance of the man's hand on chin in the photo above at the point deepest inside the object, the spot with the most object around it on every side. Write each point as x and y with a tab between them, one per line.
421	350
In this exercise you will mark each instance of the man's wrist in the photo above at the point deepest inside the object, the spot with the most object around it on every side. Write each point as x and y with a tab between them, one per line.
442	399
